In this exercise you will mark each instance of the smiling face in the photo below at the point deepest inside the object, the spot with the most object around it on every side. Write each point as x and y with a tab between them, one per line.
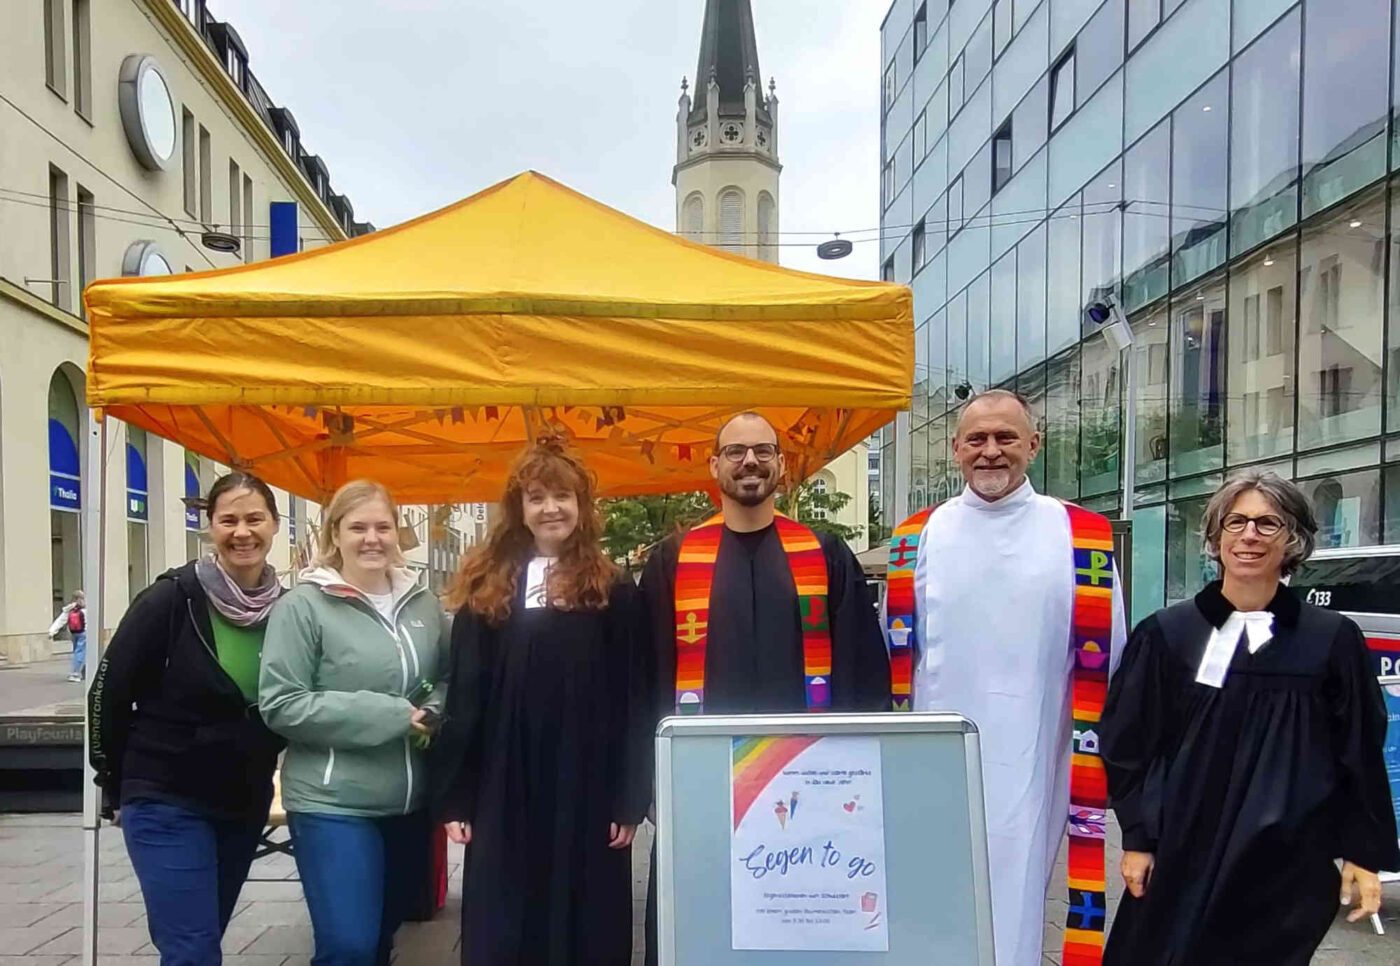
550	513
1248	555
367	538
994	445
241	527
747	462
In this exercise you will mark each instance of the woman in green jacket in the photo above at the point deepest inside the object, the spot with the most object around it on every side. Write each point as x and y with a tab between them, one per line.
351	677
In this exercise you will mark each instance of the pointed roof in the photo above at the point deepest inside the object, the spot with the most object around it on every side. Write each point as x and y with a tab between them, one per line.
729	50
425	355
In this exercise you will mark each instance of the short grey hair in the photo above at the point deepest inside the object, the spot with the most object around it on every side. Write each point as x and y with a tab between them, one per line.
1292	505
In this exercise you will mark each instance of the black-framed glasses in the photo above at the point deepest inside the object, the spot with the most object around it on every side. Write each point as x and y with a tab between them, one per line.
1266	525
736	452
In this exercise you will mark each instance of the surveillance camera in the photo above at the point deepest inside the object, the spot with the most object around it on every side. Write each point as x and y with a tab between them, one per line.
962	390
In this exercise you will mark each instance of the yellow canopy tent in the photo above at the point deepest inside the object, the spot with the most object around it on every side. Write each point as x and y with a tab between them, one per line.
426	355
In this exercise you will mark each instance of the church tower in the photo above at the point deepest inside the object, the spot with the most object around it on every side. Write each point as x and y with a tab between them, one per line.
726	172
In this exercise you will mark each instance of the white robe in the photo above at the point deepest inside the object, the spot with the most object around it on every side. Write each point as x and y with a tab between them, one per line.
994	588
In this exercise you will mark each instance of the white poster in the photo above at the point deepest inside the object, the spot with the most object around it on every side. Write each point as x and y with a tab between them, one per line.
808	844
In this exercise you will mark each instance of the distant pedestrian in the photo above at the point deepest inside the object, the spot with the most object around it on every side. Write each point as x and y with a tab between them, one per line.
545	762
1243	740
177	743
352	678
73	619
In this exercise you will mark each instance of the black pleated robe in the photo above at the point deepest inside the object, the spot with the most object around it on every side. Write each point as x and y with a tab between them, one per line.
548	740
1247	793
753	656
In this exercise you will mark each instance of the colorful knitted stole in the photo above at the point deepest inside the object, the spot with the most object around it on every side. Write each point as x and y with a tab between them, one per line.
695	578
900	628
1091	537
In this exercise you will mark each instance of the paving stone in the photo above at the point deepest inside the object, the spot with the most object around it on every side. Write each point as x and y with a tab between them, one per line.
113	940
287	940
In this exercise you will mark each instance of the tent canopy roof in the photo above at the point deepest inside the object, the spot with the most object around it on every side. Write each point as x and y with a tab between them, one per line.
427	354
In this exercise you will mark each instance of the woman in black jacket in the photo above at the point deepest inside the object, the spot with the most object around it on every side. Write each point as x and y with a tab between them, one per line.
177	742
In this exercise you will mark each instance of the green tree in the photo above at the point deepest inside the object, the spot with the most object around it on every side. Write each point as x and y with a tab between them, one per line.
633	524
874	521
817	508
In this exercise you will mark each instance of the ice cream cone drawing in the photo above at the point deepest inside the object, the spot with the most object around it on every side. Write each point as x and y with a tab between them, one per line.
781	811
792	807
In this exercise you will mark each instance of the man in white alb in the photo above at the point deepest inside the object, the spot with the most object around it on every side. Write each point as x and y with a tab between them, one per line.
998	627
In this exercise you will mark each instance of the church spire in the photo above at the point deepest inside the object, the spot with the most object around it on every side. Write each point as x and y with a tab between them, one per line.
728	53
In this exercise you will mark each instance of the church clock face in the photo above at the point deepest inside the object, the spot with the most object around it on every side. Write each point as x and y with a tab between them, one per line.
731	133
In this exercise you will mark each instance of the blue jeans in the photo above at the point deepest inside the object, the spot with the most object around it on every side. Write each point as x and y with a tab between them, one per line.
359	876
191	869
78	666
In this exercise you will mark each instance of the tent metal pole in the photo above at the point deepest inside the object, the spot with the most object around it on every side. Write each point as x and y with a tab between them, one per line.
94	550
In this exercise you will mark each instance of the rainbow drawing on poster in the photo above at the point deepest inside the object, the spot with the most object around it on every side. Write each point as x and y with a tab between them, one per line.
757	761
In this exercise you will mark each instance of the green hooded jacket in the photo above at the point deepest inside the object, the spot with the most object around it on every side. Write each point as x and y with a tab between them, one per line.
340	683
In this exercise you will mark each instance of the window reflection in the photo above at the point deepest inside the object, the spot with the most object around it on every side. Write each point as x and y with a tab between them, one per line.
1347	508
1100	240
919	407
1099	426
1062	426
1264	136
1062	322
958	387
978	332
1262	323
1200	135
1031	384
1150	360
1341	285
919	478
1030	299
938	362
1146	218
1003	340
1188	567
1198	379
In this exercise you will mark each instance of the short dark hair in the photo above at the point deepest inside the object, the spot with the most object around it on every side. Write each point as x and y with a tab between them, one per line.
238	480
746	414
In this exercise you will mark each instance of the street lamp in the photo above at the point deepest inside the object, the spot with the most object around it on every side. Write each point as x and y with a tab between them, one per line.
1118	334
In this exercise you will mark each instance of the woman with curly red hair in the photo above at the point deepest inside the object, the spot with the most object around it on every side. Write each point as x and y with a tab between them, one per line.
543	764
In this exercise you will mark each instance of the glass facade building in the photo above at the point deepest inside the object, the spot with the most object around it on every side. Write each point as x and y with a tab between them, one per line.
1221	167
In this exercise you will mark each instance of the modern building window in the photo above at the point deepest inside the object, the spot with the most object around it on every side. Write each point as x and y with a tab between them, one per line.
137	511
1150	334
1200	159
1188	567
936	226
920	137
977	56
731	220
1100	408
235	200
206	178
1031	122
920	246
55	47
919	404
1262	324
1197	404
87	246
938	363
60	234
1146	219
1062	327
887	184
1002	157
1393	321
188	162
1030	299
955	206
1346	97
1031	385
1062	90
248	208
1149	561
979	336
920	31
1062	426
959	388
1098	50
956	85
1264	136
1347	507
1003	316
1341	289
919	468
767	227
1003	24
887	270
1143	17
889	86
82	58
1101	241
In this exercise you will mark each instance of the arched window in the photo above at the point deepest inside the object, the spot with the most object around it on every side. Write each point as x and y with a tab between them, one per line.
767	228
820	486
693	217
731	220
137	511
65	490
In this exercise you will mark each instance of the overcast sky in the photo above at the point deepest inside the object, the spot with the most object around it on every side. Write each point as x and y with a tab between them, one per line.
418	103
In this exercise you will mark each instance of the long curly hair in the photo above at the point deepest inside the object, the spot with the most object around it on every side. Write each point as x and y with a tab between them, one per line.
582	577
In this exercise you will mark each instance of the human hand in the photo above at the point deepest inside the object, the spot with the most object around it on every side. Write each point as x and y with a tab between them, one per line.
1367	887
117	817
1137	872
419	722
459	833
621	836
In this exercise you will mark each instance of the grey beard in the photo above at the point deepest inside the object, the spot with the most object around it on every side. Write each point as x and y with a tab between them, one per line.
992	483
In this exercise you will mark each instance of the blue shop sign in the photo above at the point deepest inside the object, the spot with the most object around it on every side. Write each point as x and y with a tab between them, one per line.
65	484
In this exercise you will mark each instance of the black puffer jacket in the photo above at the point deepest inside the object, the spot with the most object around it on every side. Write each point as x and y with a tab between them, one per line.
168	723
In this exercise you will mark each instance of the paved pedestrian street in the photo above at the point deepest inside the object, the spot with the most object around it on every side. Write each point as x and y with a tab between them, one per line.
41	909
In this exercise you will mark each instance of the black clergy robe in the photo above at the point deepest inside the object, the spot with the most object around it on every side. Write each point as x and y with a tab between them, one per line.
753	656
547	740
1244	793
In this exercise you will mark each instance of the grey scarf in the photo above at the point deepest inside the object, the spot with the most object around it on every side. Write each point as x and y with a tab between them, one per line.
242	608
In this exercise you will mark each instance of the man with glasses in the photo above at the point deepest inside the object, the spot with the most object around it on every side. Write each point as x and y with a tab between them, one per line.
1003	605
753	612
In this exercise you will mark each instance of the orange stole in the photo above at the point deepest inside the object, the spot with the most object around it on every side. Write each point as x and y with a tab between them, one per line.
695	577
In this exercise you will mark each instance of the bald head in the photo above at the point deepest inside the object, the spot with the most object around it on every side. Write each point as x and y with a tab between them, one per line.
750	422
996	441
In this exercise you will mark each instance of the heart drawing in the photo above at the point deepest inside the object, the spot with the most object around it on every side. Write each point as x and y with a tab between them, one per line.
849	806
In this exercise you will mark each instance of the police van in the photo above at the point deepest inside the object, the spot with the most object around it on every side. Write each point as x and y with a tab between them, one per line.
1364	584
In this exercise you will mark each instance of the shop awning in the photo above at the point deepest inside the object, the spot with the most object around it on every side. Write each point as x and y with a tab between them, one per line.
426	355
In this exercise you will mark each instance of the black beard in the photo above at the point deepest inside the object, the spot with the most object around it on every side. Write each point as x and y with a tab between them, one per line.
735	492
